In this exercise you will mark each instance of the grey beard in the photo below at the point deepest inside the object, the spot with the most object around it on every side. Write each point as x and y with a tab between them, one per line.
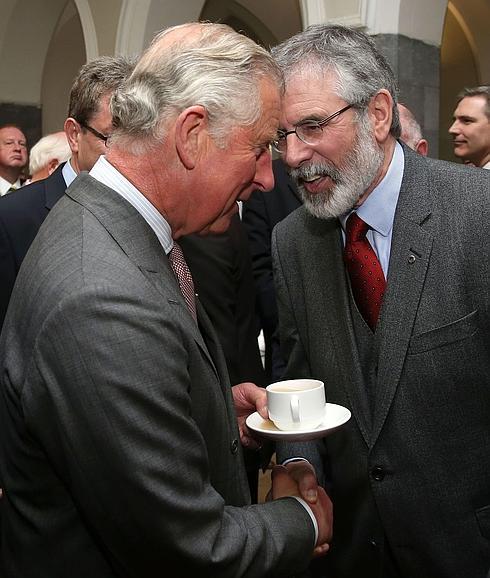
350	180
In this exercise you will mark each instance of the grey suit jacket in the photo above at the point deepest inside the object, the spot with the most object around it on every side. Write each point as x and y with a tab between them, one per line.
120	449
415	472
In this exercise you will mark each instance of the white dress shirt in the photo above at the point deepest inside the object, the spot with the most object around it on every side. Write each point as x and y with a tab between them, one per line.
108	175
5	186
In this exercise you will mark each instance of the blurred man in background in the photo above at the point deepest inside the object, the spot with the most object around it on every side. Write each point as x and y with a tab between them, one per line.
13	158
86	129
470	130
45	156
411	131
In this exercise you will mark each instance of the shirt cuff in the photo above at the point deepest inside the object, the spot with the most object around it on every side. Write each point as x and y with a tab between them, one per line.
312	515
297	459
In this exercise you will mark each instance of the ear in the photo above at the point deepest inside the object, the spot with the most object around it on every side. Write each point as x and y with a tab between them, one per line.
72	130
381	110
191	132
422	147
52	165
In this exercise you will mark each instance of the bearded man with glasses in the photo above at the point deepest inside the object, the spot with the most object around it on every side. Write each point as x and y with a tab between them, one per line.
382	282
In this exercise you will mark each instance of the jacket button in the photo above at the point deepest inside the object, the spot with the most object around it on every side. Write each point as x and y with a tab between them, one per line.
372	543
377	473
234	446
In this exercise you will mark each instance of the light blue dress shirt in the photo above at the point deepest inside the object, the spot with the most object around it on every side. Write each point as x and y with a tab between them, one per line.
68	173
378	210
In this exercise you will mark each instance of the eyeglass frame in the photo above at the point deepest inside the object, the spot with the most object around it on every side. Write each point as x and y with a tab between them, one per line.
95	132
282	135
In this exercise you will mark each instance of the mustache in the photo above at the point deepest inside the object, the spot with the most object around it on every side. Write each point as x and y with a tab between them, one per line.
307	172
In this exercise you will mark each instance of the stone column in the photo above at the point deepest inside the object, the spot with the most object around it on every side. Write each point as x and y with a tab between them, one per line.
408	33
416	67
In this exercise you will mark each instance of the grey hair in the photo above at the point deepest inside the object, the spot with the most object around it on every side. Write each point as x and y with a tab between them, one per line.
94	80
360	69
483	90
217	68
51	146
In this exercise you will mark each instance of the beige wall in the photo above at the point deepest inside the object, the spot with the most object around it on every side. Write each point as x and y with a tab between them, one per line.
105	15
458	69
65	56
43	42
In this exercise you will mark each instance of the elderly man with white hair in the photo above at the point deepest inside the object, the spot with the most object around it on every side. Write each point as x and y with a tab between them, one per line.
120	432
47	154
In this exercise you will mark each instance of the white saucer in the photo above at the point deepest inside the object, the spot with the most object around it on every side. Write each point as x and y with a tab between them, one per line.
335	416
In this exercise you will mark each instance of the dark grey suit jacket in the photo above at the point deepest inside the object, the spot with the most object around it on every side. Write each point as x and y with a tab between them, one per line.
120	449
222	272
414	475
21	215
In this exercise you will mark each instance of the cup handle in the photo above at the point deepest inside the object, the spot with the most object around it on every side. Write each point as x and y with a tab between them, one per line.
295	408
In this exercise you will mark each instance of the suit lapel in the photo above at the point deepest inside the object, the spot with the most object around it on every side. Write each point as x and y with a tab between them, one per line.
409	259
213	346
138	241
331	315
54	187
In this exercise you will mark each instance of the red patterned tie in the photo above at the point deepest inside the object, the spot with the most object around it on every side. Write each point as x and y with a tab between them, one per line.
184	277
365	272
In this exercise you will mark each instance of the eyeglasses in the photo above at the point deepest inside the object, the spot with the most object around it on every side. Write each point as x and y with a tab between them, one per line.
94	132
309	131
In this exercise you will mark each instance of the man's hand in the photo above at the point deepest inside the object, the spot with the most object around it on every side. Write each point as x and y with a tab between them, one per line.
298	479
304	474
249	398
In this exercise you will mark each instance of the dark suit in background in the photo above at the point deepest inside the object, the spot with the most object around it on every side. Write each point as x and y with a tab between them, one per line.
410	472
21	215
222	272
260	214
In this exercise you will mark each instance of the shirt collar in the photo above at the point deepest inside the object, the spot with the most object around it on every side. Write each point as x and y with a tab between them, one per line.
5	186
378	210
108	175
68	173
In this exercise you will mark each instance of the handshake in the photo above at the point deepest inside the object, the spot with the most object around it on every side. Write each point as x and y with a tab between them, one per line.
296	478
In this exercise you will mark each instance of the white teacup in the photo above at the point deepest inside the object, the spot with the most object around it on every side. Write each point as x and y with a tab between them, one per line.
296	404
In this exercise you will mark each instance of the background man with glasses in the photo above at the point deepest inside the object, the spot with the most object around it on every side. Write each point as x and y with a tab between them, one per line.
383	287
87	127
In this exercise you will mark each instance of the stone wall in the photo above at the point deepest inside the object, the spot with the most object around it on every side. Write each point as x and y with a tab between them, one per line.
416	66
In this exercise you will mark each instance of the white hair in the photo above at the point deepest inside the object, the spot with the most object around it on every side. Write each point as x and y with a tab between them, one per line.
216	67
49	147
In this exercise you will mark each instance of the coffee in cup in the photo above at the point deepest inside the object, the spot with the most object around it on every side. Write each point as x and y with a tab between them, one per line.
296	404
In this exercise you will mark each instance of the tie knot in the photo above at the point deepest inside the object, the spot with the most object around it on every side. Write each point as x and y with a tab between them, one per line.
356	228
176	255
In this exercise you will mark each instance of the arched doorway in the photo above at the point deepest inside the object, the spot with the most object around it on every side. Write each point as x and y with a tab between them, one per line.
465	59
41	49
